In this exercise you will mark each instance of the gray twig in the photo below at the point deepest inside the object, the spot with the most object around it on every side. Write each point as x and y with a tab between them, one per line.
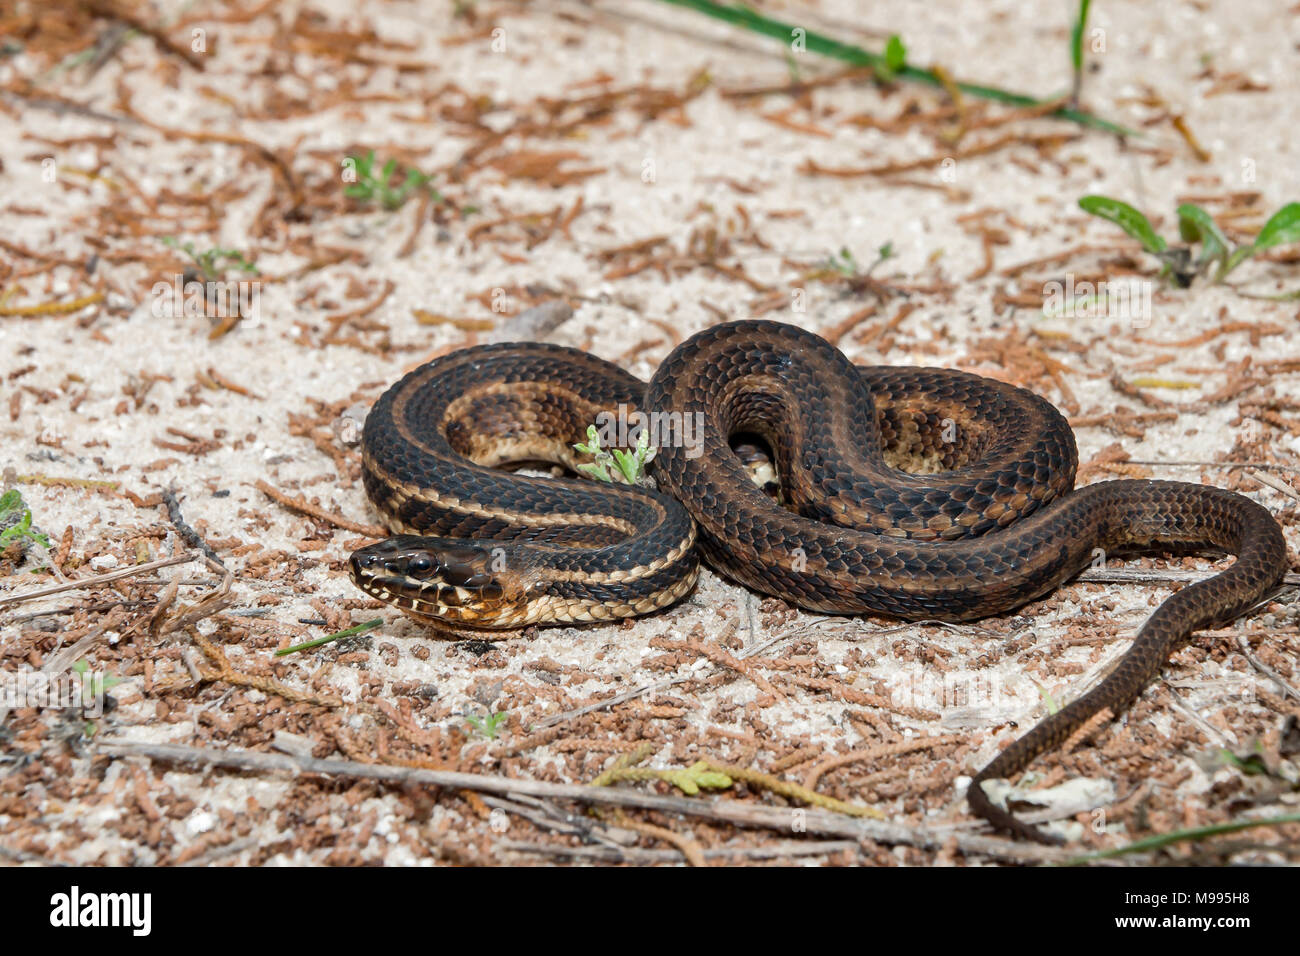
98	580
634	855
740	813
1155	576
608	702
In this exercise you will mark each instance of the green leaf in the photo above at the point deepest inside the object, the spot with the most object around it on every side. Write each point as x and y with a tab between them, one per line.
628	464
1252	765
1127	218
21	528
592	446
489	725
1197	225
1283	228
895	53
10	500
624	461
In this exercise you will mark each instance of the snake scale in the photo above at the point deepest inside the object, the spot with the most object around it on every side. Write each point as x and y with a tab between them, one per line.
917	493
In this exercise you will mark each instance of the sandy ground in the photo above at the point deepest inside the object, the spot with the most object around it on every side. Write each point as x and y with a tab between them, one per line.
658	172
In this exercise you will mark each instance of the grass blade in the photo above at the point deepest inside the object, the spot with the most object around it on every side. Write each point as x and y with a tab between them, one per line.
848	53
347	632
1178	836
1076	39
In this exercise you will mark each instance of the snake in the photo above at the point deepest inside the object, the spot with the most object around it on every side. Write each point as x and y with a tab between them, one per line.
922	494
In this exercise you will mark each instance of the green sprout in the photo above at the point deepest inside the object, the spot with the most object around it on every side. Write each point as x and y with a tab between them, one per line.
372	186
844	263
1251	765
894	61
489	725
16	521
214	262
615	464
1053	705
1195	225
97	685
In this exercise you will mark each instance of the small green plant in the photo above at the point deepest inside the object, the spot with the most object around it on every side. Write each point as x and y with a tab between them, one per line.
488	726
1053	705
846	264
883	254
97	685
1252	764
614	464
1195	225
894	61
16	521
843	262
214	262
372	186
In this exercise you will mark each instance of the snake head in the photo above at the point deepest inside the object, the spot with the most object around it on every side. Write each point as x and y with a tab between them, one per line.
449	581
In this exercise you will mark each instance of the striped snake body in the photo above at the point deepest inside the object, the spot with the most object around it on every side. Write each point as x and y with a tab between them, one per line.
922	494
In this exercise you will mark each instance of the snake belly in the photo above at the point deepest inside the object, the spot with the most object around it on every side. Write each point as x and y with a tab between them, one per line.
921	494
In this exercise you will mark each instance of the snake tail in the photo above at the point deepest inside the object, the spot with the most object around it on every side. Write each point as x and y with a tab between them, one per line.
1147	515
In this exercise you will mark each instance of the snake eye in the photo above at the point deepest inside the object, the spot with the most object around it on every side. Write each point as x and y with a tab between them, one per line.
420	565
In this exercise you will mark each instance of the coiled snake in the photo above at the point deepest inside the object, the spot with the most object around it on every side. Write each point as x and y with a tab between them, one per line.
922	494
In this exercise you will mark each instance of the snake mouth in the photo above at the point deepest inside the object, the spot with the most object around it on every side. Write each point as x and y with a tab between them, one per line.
444	580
